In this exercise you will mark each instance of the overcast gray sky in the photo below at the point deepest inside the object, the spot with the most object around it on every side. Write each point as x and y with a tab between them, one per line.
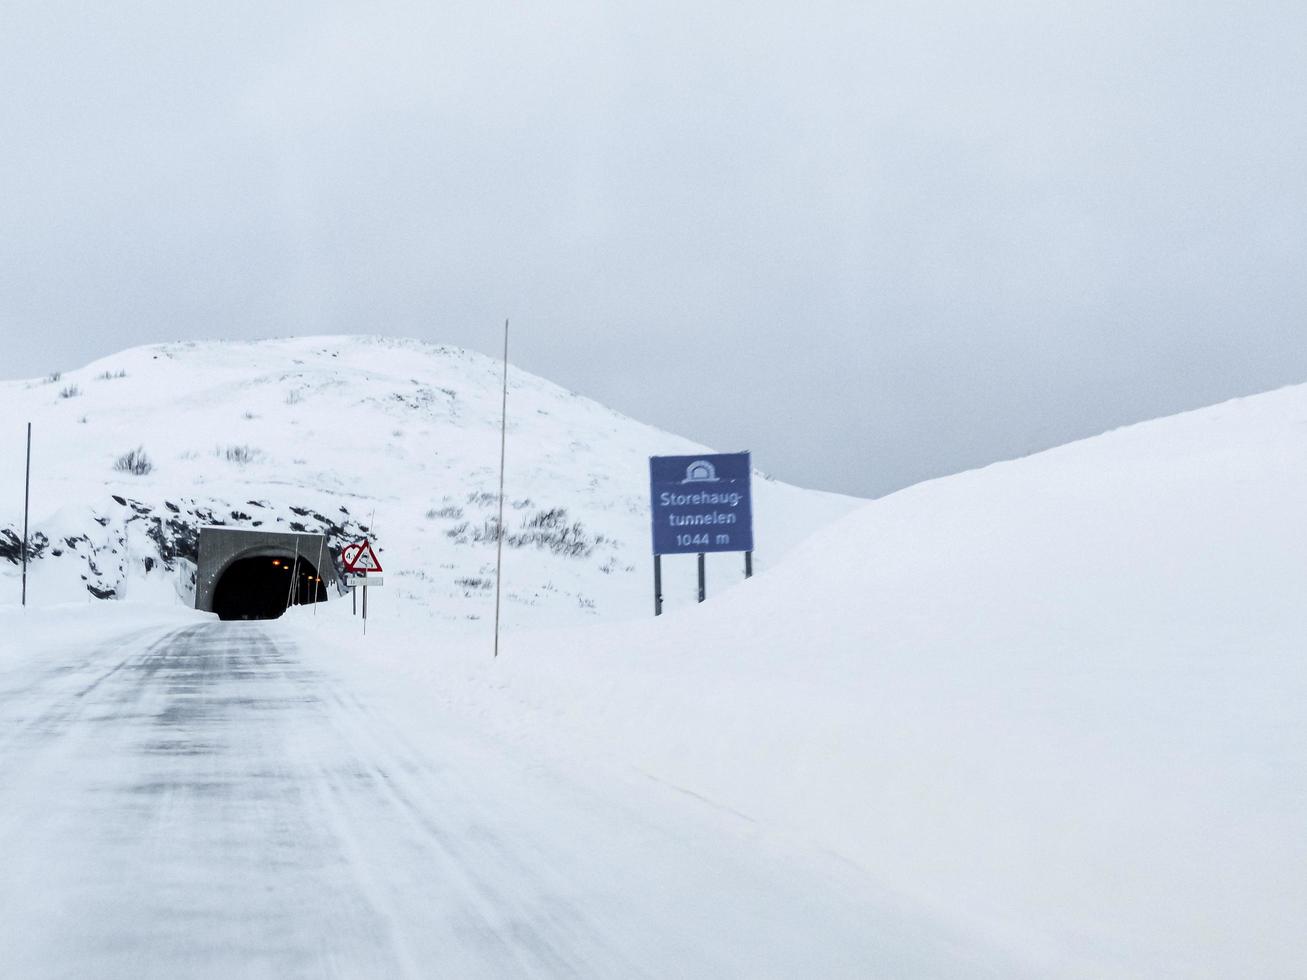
871	242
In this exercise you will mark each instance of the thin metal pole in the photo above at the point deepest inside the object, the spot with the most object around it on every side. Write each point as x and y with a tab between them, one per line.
748	564
294	573
503	448
658	585
365	610
702	590
27	495
318	584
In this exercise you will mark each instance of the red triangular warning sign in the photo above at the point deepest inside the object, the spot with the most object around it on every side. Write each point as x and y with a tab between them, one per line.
362	558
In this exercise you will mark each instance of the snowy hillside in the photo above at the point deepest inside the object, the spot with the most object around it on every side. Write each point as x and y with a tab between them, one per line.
1057	702
394	438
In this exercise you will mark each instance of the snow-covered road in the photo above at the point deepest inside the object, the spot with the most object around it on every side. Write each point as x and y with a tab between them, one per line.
210	801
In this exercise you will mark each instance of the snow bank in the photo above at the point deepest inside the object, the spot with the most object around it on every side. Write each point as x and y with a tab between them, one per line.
1057	701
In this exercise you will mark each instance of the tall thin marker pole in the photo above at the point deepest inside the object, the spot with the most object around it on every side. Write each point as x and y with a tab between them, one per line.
703	592
27	495
318	584
294	573
503	448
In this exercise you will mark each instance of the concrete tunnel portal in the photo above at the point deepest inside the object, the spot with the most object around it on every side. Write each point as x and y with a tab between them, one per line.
247	574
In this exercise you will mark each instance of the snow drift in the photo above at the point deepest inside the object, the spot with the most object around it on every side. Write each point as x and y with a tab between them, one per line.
1057	701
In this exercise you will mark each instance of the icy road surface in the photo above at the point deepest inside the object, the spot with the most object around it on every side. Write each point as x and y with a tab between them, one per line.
206	802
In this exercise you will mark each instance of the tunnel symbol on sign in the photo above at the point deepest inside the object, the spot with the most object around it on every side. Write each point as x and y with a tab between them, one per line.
700	471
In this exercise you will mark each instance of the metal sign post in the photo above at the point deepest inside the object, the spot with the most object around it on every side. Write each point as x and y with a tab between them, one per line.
700	504
359	559
358	581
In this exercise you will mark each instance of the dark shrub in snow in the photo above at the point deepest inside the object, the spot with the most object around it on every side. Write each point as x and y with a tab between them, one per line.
135	462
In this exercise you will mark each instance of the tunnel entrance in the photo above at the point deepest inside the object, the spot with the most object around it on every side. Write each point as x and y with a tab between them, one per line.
263	587
243	573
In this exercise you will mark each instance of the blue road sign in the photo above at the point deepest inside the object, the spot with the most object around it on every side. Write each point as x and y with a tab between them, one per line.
701	503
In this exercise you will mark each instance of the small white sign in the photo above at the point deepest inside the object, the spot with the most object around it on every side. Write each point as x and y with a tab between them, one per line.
354	581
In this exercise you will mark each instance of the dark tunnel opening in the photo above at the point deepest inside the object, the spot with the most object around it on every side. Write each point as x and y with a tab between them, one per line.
263	587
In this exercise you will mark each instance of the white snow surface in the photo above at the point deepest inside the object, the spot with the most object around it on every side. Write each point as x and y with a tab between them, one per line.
397	437
1057	702
1047	716
205	799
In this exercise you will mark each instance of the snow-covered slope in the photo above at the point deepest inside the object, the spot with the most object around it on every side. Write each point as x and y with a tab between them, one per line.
394	438
1058	702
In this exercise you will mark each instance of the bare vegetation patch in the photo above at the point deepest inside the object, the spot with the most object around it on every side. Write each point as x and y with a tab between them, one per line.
552	530
549	530
69	391
135	462
238	454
